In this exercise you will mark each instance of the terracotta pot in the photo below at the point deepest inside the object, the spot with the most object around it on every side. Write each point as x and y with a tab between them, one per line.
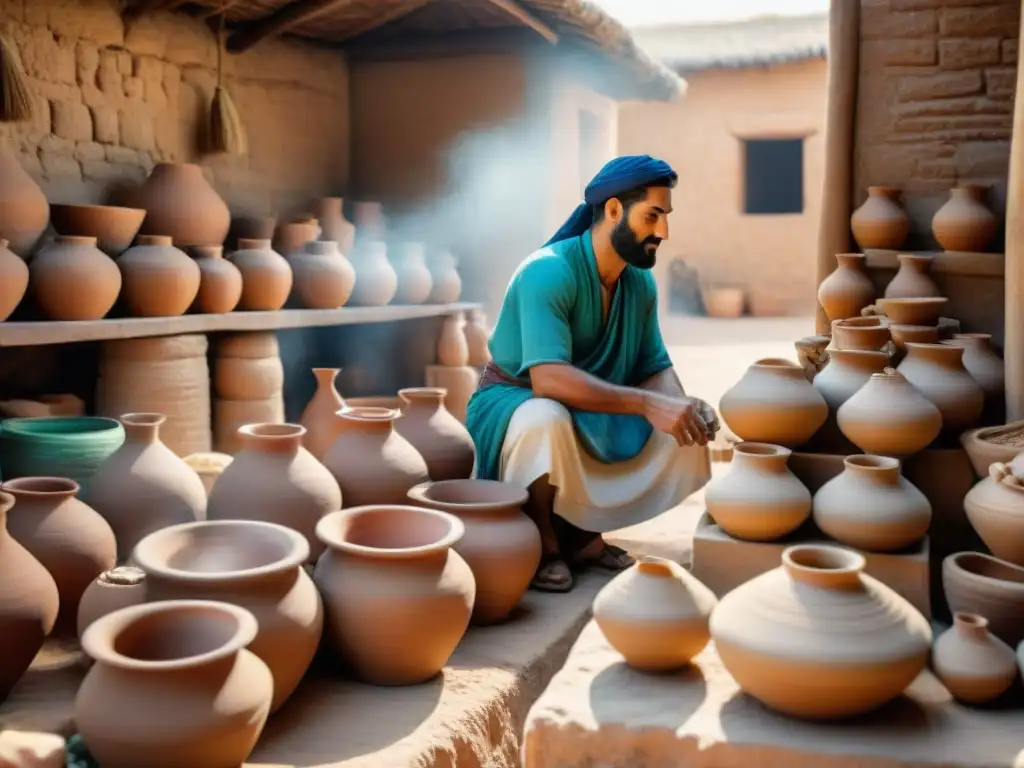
987	445
251	228
847	371
376	280
248	367
995	508
158	280
414	280
398	597
501	544
330	212
990	587
912	281
231	415
724	301
477	335
13	280
144	486
984	365
889	416
24	212
860	333
446	284
774	403
371	461
112	590
964	223
442	441
655	614
452	346
181	204
914	311
65	535
292	236
324	278
920	334
266	276
209	465
74	280
846	291
318	415
785	636
256	566
220	281
871	506
974	665
938	372
880	221
758	499
113	227
173	679
369	221
28	604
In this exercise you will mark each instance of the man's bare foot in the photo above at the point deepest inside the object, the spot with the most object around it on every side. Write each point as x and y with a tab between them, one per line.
608	557
553	575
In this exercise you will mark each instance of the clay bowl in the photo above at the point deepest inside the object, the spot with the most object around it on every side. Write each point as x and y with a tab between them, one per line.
990	587
914	311
113	227
919	334
861	333
984	450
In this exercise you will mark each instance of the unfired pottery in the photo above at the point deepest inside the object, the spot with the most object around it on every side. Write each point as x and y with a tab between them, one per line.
452	347
937	372
477	335
376	280
984	365
847	371
330	212
24	212
914	311
919	334
180	203
318	415
846	291
446	282
973	664
113	227
889	416
995	508
220	282
964	223
861	333
157	279
324	278
120	587
977	583
987	445
13	280
74	280
266	276
414	280
440	438
912	281
880	221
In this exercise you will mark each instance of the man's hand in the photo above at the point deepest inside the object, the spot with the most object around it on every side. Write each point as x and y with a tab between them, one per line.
681	417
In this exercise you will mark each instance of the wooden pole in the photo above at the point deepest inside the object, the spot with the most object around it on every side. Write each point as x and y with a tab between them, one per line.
840	126
1013	343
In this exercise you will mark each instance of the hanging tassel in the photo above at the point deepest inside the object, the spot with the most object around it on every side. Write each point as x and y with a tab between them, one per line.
15	98
226	131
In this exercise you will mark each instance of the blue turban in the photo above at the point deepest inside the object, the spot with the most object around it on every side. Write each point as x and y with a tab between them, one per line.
616	177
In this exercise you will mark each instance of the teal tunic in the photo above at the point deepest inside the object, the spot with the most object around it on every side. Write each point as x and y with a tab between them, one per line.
551	313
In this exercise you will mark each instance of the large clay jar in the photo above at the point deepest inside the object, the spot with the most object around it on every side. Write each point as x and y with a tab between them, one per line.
24	212
501	544
414	280
871	506
785	636
446	283
376	280
318	415
774	403
937	371
995	508
330	212
847	371
257	566
880	221
220	282
964	223
275	480
912	281
144	485
889	416
758	499
72	279
452	346
266	276
158	280
371	461
324	278
13	280
985	585
112	590
65	535
28	604
655	614
973	664
846	291
984	365
398	597
441	439
477	336
181	204
173	684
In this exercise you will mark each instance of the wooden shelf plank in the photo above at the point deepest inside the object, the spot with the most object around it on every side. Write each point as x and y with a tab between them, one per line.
63	332
946	262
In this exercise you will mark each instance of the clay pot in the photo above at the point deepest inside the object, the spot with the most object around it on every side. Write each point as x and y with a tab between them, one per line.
24	212
13	280
758	499
318	415
209	465
414	280
995	509
173	679
987	445
880	221
446	285
113	227
984	365
924	311
220	282
144	485
847	371
774	403
974	665
889	416
871	506
938	372
912	281
376	280
266	276
919	334
248	367
477	335
398	597
785	636
28	604
231	415
330	212
861	333
846	291
251	228
990	587
324	278
158	280
655	614
442	441
964	223
452	346
180	203
112	590
74	280
256	566
369	221
65	535
371	461
292	236
501	544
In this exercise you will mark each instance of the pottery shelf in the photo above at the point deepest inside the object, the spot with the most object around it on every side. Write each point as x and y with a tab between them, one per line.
946	262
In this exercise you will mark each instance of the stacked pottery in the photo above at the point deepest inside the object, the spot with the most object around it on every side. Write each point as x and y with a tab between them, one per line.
846	291
995	508
914	311
847	371
912	281
376	280
251	228
24	212
477	336
938	372
452	346
442	441
880	221
977	583
774	403
330	212
112	590
414	280
180	203
861	333
917	334
13	280
220	281
318	415
964	223
266	276
291	236
889	416
974	665
324	278
158	280
114	227
249	384
72	279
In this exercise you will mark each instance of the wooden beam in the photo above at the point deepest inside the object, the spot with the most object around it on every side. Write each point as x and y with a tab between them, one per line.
1013	342
141	7
527	19
465	42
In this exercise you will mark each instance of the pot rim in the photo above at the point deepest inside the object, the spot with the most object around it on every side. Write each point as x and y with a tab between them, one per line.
517	495
368	414
328	525
427	394
872	462
53	487
755	448
953	561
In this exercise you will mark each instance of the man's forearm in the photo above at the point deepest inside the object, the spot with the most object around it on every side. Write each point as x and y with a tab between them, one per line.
575	388
666	382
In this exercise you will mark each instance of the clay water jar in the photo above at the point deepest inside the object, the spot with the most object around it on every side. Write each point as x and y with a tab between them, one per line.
914	311
964	223
452	345
973	664
256	566
860	333
846	291
72	279
113	227
220	282
446	284
889	416
981	361
13	280
318	415
158	280
977	583
501	544
120	587
995	509
477	335
440	438
912	281
330	212
376	280
173	679
880	221
398	597
324	278
180	203
414	280
937	371
24	212
847	371
785	637
266	276
291	236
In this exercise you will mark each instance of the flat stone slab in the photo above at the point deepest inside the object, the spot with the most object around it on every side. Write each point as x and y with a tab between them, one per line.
599	712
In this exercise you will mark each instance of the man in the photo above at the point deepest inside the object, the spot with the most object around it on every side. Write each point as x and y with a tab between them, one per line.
580	403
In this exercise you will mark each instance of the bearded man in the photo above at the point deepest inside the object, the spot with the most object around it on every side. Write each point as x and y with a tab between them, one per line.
580	403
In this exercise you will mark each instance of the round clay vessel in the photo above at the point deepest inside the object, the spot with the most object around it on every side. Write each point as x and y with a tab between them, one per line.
871	506
65	535
984	365
13	280
440	438
180	203
144	485
376	280
937	372
758	499
113	227
254	565
120	587
173	679
846	291
158	280
324	278
477	336
452	346
318	415
846	372
774	403
501	544
995	509
24	212
291	236
266	276
924	311
398	597
220	282
74	280
785	636
655	614
964	223
330	212
371	461
414	280
977	583
446	283
912	281
919	334
987	445
860	333
973	664
880	221
889	416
